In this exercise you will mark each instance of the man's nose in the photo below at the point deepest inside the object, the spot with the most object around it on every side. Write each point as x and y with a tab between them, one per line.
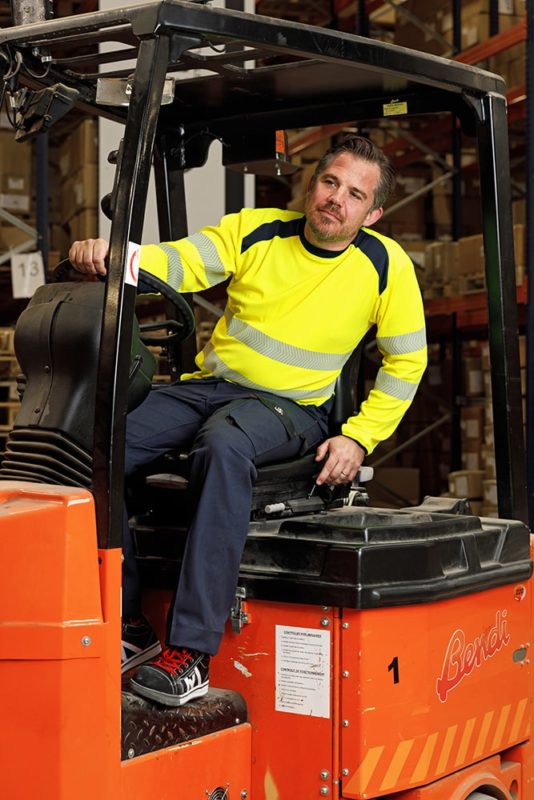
336	194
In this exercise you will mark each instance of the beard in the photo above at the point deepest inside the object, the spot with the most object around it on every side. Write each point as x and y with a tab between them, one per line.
327	229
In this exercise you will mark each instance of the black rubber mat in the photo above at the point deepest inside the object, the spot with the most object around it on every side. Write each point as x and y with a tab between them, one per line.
149	726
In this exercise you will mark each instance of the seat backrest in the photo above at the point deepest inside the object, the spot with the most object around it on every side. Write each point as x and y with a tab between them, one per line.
57	344
345	397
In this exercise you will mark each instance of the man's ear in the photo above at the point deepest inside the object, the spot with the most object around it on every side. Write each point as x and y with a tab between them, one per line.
373	216
311	183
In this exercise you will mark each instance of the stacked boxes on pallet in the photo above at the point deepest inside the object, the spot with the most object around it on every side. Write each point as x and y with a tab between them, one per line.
469	481
477	479
453	268
78	170
15	187
9	369
437	34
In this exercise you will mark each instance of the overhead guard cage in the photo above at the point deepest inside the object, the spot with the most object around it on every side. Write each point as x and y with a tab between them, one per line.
194	74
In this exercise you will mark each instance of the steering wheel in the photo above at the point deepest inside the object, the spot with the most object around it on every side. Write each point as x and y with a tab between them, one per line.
179	328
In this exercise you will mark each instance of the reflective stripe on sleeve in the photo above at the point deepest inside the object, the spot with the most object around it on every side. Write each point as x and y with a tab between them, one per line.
213	265
402	344
175	270
395	387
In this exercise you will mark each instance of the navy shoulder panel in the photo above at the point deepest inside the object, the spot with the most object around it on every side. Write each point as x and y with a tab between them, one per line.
282	228
376	252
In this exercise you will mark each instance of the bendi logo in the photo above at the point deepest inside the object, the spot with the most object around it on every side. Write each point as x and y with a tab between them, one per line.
462	657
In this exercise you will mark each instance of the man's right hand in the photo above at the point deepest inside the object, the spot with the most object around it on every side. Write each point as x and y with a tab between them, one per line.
88	256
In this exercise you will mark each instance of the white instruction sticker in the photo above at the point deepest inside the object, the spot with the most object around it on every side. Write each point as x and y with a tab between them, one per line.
131	273
303	671
27	273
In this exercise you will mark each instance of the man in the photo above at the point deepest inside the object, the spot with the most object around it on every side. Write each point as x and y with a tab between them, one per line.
303	291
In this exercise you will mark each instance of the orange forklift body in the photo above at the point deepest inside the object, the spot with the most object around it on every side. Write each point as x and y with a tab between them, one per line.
401	698
414	693
60	667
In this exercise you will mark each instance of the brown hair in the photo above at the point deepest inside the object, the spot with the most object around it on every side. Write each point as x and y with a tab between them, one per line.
363	148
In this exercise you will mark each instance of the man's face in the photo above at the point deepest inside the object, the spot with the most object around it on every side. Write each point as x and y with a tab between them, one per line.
339	202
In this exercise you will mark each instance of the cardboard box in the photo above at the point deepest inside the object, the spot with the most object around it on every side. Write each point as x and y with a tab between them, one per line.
490	492
80	192
11	236
410	35
471	255
476	27
15	176
60	238
510	64
475	21
418	251
79	149
489	436
519	211
472	423
473	377
520	245
15	153
471	460
15	183
83	225
466	483
17	203
446	261
471	252
409	219
485	356
438	17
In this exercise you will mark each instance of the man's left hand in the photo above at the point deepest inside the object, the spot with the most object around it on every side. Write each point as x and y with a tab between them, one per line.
344	460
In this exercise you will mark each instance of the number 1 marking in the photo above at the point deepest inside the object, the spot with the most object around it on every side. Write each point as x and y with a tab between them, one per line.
395	667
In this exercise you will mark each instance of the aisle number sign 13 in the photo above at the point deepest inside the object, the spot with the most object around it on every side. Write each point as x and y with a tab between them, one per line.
27	273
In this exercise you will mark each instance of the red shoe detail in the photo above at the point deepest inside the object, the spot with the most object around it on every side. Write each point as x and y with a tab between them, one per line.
173	660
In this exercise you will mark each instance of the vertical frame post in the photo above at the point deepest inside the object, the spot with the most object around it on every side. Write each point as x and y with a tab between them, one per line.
127	226
492	132
172	221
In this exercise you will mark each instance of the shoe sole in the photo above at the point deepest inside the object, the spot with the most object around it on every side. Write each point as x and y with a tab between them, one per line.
140	658
170	699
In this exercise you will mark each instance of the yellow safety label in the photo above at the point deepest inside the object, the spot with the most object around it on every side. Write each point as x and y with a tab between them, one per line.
395	107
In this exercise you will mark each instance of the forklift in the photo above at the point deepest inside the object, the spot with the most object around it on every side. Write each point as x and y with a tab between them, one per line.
370	652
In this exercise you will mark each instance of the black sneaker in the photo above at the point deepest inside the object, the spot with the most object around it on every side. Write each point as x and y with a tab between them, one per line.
175	678
139	643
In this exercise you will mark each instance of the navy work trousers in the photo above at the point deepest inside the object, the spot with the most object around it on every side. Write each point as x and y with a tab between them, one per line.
228	431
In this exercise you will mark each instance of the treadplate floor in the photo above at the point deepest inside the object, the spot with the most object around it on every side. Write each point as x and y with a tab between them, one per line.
149	726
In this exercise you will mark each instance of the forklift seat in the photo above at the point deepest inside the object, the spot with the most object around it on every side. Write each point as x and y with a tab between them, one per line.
284	486
57	342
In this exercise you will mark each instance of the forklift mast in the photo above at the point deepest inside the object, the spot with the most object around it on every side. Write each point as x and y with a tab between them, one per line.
417	618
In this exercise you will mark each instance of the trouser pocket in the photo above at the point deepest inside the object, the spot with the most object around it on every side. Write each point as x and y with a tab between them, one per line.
277	429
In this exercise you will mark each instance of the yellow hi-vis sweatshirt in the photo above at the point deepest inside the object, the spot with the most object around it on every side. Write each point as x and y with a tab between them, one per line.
296	312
